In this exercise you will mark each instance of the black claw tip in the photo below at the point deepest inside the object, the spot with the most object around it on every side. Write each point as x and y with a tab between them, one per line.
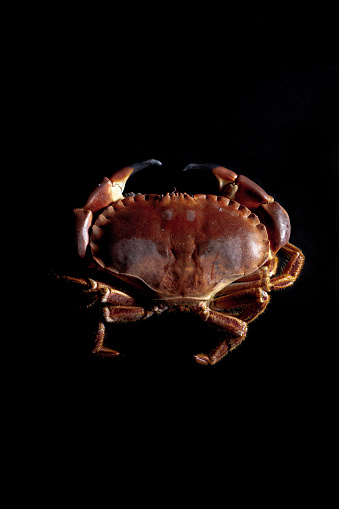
144	164
200	166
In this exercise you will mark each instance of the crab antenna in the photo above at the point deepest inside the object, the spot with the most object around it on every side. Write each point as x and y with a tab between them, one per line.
140	166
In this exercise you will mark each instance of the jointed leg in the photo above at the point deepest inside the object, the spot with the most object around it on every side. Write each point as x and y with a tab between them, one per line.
99	343
292	269
258	279
237	332
253	302
98	292
116	314
114	306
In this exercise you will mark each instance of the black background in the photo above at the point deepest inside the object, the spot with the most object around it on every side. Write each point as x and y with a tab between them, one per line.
256	92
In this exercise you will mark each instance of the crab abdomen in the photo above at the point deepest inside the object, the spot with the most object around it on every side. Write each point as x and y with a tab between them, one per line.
180	245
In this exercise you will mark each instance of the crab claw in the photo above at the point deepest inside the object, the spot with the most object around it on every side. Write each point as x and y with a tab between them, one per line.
140	166
108	191
236	187
246	192
223	175
119	178
277	223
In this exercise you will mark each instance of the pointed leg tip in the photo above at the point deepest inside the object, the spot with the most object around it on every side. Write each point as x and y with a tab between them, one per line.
202	359
106	352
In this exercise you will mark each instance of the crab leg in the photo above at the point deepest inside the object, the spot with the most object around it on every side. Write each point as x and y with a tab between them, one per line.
100	291
100	349
116	306
258	279
125	313
107	192
116	314
254	300
292	269
236	328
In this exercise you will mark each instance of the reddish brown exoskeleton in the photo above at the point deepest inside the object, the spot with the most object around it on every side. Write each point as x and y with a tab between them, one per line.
214	255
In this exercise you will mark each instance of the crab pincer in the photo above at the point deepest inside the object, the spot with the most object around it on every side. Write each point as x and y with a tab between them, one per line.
246	192
108	191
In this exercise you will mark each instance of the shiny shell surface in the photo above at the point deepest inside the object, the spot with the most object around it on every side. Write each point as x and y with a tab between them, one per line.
180	246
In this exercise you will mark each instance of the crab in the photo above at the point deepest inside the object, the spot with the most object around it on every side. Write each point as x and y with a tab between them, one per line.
218	256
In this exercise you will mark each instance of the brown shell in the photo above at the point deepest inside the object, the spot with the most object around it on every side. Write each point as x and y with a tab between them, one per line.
180	245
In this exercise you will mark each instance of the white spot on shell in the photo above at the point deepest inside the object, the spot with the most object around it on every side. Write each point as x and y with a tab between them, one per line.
190	215
167	214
